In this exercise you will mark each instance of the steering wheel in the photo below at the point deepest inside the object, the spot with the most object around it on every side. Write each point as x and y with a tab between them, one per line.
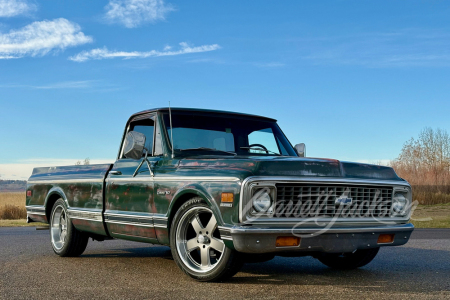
259	145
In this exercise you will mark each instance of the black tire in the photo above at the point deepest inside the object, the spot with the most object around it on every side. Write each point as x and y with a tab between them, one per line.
348	261
227	265
74	242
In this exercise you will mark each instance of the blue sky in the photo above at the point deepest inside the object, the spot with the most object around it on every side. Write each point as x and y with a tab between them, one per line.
352	79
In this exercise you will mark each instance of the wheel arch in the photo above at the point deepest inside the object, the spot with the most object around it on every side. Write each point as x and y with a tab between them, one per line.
189	192
53	195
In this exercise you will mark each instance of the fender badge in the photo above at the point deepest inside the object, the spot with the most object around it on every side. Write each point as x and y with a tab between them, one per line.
163	192
226	204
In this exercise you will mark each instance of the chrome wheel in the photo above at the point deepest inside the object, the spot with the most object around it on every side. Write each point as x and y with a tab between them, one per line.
59	227
198	240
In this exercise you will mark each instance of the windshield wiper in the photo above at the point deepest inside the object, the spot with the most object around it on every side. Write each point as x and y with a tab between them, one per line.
261	149
207	149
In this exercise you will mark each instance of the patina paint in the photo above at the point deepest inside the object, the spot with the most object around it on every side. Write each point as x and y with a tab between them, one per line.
140	208
81	186
128	196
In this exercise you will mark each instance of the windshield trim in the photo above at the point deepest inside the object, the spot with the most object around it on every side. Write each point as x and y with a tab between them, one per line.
163	113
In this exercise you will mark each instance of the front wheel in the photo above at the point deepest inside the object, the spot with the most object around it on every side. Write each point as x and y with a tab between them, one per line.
66	239
348	261
197	247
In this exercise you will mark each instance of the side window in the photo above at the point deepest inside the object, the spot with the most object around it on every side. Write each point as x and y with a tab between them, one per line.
263	137
147	127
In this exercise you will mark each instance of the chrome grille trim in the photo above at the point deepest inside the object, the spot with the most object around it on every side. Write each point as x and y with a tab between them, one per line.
252	181
375	201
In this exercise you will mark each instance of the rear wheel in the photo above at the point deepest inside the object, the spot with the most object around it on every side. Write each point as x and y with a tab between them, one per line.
65	238
348	261
197	247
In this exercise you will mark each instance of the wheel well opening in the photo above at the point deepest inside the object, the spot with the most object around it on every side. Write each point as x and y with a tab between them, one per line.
49	206
179	202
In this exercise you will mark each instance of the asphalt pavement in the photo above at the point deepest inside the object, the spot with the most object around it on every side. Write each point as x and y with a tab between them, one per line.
127	270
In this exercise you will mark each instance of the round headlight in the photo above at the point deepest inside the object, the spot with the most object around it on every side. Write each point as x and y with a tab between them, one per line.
262	201
399	203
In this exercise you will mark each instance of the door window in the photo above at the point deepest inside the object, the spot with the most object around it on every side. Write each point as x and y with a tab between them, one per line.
146	127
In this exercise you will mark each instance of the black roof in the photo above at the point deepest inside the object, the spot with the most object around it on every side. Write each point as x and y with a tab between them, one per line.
208	111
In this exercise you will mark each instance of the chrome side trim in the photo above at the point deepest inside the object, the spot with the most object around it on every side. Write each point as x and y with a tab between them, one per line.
129	223
245	194
54	181
125	215
178	178
85	215
35	210
147	220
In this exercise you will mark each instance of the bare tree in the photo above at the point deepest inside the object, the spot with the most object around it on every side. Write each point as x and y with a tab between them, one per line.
425	160
86	161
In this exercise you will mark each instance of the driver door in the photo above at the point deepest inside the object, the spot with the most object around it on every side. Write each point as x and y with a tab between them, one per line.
129	190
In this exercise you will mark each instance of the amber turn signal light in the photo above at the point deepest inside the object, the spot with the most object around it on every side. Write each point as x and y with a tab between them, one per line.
287	241
385	238
227	197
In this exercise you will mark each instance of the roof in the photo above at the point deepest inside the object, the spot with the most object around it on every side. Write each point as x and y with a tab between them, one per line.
200	110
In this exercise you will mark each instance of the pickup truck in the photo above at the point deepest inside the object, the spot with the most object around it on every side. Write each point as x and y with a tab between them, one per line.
222	189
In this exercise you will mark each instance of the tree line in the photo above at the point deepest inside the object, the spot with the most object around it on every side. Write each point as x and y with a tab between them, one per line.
425	160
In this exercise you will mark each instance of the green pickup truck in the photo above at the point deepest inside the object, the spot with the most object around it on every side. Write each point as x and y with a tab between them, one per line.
222	189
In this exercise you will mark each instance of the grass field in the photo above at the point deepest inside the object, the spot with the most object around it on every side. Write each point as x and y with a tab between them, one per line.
13	213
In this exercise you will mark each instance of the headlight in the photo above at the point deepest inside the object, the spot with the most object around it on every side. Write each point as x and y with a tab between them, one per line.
399	204
262	200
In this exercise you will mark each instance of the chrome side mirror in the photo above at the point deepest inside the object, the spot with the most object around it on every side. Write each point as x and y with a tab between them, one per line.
134	145
300	149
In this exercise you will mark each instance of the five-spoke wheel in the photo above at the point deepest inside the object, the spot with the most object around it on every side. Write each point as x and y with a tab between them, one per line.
198	240
196	244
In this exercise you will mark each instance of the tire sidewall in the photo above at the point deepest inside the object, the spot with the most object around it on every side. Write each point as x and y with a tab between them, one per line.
65	247
222	264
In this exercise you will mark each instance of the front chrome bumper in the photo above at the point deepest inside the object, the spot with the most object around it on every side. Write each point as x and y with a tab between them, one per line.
250	239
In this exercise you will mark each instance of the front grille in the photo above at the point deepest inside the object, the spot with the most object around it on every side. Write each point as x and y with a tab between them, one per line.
310	201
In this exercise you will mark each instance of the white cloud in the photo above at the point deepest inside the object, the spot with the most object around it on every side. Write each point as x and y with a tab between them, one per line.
22	169
11	8
39	38
104	53
132	13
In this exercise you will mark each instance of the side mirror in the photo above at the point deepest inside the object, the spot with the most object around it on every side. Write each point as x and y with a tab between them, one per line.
300	149
134	145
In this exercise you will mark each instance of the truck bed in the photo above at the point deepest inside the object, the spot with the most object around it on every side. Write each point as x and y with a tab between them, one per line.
82	187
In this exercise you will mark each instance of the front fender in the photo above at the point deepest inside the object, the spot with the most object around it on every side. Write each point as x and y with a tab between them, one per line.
194	189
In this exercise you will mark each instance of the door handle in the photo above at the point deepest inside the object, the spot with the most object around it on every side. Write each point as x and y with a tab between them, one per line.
115	173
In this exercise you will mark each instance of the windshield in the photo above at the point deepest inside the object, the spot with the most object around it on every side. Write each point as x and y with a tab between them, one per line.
226	133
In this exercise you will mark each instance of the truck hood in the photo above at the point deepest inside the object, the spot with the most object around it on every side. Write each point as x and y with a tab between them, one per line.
293	166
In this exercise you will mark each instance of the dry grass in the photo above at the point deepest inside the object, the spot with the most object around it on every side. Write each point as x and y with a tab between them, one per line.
12	206
20	223
431	194
17	198
432	216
